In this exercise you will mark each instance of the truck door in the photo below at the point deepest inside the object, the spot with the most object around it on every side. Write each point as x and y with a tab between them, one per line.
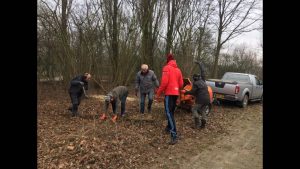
257	88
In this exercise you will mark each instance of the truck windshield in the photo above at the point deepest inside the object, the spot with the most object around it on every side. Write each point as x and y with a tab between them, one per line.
236	77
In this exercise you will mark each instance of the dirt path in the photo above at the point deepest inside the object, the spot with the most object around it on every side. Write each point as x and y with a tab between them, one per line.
240	148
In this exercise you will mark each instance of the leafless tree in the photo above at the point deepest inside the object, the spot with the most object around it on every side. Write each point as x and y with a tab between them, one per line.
149	15
233	18
110	39
242	60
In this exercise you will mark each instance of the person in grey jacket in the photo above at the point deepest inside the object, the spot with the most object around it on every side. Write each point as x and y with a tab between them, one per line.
117	94
145	84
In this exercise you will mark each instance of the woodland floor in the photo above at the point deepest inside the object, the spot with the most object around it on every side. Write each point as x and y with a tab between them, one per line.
232	138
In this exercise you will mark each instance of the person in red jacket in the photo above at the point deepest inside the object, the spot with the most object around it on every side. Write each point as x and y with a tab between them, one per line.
171	83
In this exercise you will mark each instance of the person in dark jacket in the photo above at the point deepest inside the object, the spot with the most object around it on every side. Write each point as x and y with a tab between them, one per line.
171	83
203	77
199	90
145	83
117	94
76	90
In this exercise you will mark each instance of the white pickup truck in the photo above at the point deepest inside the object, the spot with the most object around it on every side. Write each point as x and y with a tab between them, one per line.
239	87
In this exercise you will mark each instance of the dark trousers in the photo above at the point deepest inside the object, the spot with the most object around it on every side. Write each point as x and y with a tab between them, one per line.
75	99
199	115
170	105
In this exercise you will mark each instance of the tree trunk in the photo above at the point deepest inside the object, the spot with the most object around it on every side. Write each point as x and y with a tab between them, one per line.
170	27
217	53
114	43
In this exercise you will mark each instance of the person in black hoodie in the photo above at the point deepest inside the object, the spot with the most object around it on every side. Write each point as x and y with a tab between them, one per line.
77	87
199	90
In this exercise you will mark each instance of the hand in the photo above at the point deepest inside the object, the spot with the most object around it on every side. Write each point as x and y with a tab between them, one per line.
155	90
156	97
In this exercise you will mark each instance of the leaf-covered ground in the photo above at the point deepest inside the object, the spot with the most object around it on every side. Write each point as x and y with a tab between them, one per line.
135	141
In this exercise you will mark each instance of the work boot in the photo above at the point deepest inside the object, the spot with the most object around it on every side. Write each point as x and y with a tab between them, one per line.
203	122
173	141
75	110
114	118
197	123
75	114
122	114
103	117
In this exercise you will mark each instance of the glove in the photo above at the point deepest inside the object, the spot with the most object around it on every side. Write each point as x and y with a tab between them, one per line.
183	91
81	83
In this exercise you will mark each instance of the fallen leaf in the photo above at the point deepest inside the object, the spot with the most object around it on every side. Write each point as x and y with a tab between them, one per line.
70	147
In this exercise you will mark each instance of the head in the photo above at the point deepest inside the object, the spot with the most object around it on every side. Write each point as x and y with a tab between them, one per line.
87	76
108	98
170	57
144	68
196	77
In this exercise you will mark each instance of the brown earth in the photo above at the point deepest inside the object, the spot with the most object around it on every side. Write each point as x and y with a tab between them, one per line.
232	138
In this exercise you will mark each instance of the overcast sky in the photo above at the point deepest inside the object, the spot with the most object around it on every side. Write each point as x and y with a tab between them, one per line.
252	40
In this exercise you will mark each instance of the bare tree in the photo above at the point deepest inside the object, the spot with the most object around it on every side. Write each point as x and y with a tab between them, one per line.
88	38
54	19
173	7
234	18
111	38
204	11
242	59
193	37
110	12
149	13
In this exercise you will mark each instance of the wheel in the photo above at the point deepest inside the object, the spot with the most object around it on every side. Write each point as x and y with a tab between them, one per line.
244	102
207	110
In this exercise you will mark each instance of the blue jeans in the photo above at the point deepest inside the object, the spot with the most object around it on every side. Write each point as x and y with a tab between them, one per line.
142	101
170	105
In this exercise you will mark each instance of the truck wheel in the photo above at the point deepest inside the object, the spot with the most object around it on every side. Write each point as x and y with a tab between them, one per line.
207	110
244	102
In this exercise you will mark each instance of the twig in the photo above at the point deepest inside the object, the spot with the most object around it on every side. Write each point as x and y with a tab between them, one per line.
100	85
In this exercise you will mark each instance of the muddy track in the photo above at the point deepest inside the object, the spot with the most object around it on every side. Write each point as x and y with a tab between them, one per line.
240	148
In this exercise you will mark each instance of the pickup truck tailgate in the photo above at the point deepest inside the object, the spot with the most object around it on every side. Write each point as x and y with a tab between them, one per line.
222	89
